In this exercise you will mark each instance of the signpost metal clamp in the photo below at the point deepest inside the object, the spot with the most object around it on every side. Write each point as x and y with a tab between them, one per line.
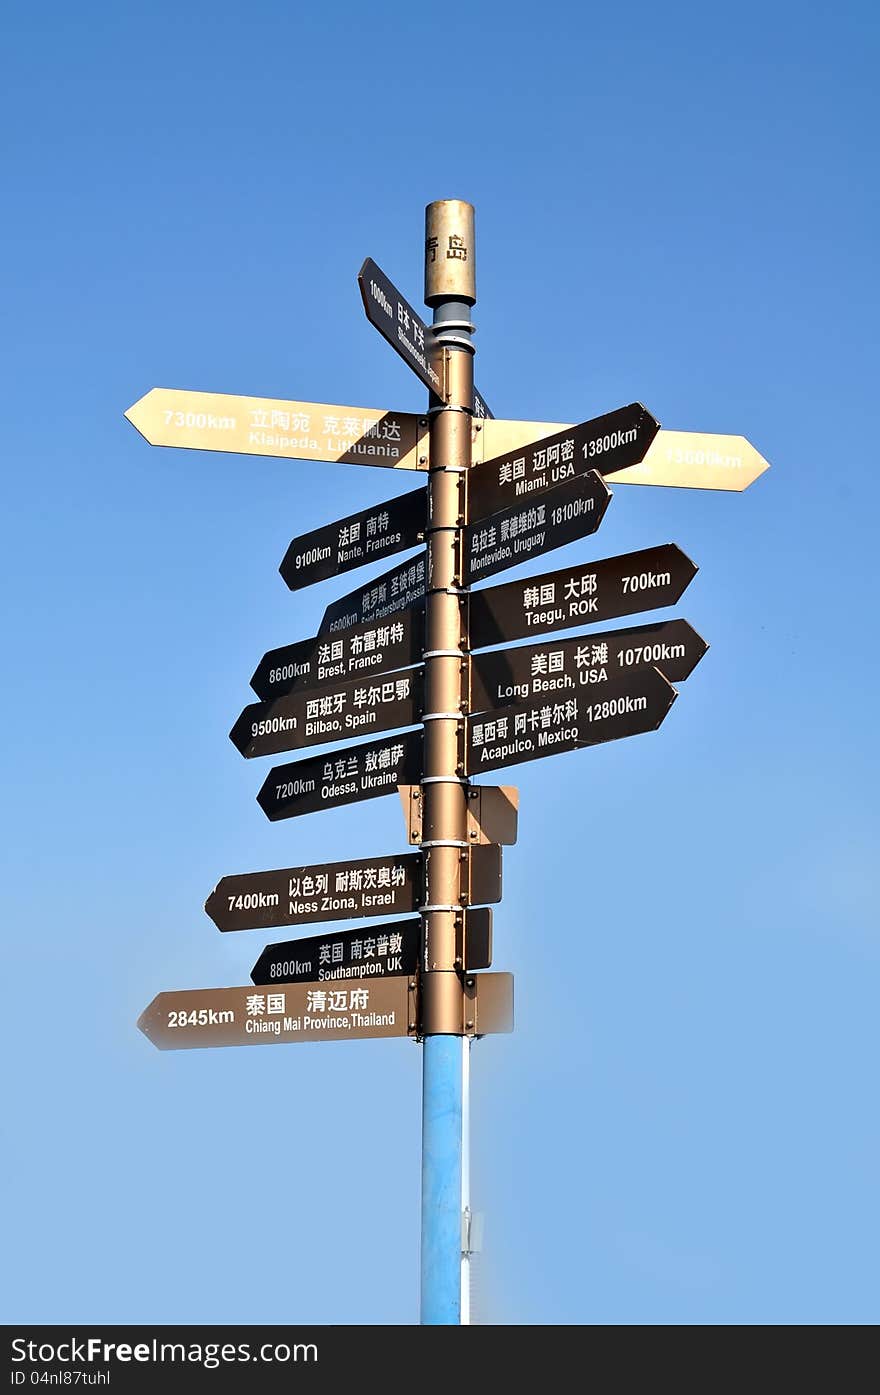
444	654
438	717
448	407
437	329
443	779
445	843
455	909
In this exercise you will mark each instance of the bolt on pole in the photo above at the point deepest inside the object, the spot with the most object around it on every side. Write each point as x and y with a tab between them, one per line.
450	289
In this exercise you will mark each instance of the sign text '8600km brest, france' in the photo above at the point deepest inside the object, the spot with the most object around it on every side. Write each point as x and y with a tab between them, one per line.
378	647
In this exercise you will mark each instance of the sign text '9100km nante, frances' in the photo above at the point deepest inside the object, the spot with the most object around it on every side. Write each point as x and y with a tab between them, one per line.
366	536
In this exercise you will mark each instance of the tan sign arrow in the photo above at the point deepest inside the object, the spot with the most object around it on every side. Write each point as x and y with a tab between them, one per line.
399	440
290	430
677	459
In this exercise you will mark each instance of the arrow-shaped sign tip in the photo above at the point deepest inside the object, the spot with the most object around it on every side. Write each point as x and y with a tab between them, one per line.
138	414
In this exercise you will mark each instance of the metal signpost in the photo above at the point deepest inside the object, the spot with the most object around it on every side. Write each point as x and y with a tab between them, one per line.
415	653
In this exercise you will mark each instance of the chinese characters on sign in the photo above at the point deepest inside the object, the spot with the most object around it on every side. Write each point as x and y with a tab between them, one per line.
605	444
530	529
377	952
290	430
629	705
395	590
398	322
318	891
248	1017
502	677
602	590
348	775
363	537
373	648
316	718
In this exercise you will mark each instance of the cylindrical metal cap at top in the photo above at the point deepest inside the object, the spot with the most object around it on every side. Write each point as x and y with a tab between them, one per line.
449	252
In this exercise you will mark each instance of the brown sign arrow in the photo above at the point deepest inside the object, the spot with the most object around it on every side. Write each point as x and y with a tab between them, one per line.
357	708
251	1016
351	542
504	677
379	647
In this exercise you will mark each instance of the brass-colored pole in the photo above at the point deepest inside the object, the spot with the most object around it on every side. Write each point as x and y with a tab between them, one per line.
450	288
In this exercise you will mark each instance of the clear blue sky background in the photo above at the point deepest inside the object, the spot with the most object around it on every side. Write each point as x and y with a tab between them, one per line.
675	203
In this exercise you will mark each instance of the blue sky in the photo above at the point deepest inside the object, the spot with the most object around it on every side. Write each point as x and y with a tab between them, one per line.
675	204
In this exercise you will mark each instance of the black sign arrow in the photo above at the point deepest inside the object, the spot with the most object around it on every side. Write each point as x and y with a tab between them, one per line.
531	528
504	677
373	952
406	331
481	409
561	600
393	591
351	542
374	648
348	890
397	321
607	443
363	706
346	776
625	707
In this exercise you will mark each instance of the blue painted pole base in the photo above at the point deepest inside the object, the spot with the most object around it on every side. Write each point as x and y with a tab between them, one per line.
442	1161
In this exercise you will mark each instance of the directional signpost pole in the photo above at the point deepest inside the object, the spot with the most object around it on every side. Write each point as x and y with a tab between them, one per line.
431	673
450	288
